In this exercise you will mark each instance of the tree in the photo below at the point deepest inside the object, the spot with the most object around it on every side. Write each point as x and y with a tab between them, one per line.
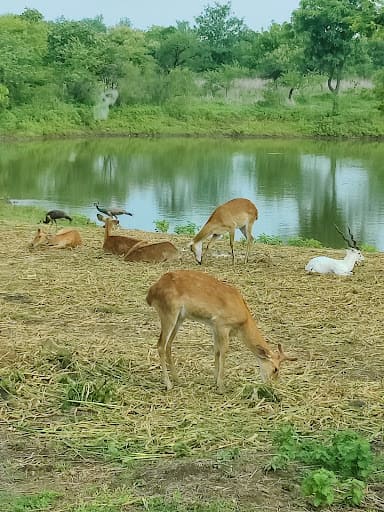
331	31
22	49
174	47
31	15
220	31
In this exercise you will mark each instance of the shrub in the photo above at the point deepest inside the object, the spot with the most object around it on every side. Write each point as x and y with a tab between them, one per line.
161	226
187	229
269	239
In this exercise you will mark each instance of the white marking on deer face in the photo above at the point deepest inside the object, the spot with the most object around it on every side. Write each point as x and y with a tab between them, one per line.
269	369
197	250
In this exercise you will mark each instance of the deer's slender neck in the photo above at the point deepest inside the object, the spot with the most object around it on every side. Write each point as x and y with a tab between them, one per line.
349	260
254	339
108	229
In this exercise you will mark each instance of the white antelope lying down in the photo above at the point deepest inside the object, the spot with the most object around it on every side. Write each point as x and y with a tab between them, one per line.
152	252
198	296
344	267
237	213
64	238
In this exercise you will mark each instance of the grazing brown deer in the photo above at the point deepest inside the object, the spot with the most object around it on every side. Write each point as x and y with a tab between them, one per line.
63	239
237	213
198	296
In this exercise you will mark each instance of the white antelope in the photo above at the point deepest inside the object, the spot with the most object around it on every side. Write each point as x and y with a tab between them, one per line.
63	239
198	296
344	267
237	213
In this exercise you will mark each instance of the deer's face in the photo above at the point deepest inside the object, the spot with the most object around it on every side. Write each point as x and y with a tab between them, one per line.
40	238
197	250
357	254
270	366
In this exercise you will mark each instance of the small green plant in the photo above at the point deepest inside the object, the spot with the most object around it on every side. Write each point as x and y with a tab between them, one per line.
269	239
320	487
352	491
181	449
8	383
161	226
228	454
345	462
187	229
368	248
298	241
81	390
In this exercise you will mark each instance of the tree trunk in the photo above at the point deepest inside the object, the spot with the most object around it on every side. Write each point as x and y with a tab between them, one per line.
335	92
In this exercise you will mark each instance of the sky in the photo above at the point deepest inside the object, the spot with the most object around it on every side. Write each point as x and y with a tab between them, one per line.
257	14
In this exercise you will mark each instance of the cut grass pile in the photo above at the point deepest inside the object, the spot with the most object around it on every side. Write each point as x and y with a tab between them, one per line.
79	371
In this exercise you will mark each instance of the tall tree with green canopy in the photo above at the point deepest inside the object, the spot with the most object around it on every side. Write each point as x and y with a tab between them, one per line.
220	31
23	45
174	47
331	31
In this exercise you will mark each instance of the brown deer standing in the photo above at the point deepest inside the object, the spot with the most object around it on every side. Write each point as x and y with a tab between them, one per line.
237	213
198	296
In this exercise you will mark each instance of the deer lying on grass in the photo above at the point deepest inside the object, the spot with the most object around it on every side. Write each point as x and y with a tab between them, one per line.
64	238
115	244
198	296
237	213
153	252
344	267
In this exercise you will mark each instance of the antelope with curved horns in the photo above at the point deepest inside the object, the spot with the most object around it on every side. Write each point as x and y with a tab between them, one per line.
64	238
344	267
115	244
199	296
237	213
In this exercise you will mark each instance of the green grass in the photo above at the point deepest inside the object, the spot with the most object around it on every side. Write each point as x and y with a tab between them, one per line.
35	214
28	503
310	115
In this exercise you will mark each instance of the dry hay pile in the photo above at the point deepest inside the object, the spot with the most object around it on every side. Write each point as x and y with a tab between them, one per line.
79	367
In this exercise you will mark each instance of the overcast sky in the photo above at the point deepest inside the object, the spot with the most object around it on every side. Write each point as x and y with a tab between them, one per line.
257	14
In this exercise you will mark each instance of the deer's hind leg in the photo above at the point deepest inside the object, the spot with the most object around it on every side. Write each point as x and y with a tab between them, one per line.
221	343
169	326
247	233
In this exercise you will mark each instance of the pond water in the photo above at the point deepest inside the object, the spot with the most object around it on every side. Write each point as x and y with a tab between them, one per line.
300	187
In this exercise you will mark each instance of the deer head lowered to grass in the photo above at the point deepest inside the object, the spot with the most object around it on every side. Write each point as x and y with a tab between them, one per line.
344	267
238	213
183	294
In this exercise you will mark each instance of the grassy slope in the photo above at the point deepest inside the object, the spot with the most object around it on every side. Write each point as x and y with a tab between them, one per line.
310	116
85	422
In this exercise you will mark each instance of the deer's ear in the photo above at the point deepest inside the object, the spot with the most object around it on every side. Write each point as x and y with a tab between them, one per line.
262	354
283	356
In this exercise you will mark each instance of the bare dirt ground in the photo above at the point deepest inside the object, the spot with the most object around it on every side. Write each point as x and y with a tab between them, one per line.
83	409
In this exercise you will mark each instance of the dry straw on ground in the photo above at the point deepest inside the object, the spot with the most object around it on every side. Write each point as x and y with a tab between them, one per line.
75	320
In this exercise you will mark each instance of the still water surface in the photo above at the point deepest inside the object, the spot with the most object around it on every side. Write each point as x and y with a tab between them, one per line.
301	188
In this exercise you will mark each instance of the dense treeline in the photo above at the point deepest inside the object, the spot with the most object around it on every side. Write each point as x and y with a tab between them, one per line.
64	75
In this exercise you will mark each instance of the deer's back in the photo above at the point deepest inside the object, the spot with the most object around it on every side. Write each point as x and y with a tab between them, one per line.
117	244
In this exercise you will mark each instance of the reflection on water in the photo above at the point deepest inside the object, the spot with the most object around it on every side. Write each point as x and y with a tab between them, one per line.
301	188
